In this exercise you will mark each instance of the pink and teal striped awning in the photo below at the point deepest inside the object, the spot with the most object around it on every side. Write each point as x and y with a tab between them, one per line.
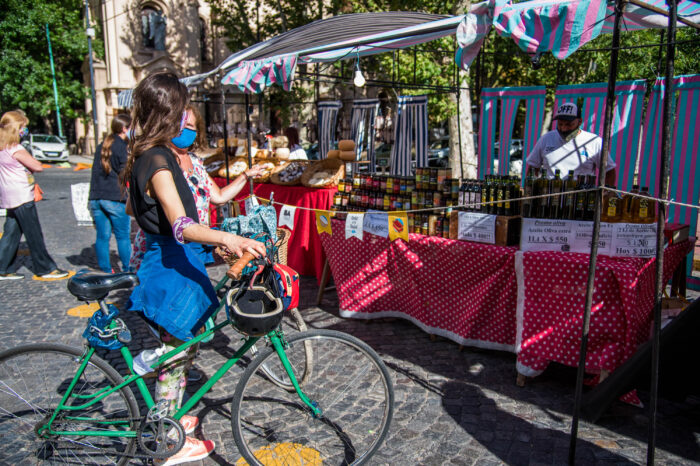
560	27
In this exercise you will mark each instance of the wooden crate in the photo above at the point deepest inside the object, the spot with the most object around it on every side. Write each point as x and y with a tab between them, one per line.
507	229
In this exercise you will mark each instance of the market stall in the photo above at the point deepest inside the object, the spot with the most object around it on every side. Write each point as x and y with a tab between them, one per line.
497	297
304	251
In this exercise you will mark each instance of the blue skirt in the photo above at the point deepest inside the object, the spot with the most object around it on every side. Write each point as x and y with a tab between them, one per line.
174	291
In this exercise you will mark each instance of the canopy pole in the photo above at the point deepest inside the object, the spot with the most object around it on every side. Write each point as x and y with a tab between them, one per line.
602	169
459	132
250	138
225	125
660	224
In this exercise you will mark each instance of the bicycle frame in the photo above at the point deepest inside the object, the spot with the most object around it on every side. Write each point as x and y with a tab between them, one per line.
276	338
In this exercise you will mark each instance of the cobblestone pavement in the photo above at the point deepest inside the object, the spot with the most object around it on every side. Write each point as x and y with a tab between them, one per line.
452	406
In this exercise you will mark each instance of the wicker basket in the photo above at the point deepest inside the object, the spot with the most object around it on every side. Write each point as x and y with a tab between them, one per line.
275	177
282	241
266	177
221	172
336	166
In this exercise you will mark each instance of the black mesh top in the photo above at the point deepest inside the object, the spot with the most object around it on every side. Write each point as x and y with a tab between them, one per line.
148	211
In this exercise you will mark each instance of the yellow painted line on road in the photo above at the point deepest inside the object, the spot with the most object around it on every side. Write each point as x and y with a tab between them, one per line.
286	454
84	310
40	279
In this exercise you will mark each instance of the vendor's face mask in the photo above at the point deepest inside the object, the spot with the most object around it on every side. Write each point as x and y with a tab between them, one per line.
187	135
185	139
568	129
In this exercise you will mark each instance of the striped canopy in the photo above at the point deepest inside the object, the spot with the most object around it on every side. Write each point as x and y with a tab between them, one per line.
332	39
560	27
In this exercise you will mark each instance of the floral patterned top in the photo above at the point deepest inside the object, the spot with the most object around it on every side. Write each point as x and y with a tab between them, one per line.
200	184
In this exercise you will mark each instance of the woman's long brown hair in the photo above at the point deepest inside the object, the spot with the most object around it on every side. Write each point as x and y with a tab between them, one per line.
159	102
119	122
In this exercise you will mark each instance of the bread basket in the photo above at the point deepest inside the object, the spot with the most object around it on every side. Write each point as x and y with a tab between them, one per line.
334	167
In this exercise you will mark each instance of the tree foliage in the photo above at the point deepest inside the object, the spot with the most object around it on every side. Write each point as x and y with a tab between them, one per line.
502	63
25	69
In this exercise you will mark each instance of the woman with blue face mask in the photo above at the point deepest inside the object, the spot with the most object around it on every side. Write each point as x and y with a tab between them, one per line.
17	168
107	200
185	145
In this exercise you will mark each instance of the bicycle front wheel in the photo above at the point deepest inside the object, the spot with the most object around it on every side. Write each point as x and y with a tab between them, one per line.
349	384
33	379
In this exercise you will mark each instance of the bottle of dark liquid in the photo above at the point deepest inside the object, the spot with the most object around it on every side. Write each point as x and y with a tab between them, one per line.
476	195
493	188
590	198
569	211
527	204
500	196
484	196
541	187
580	209
556	186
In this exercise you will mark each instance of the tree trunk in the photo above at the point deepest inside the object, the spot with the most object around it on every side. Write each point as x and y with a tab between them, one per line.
462	127
464	163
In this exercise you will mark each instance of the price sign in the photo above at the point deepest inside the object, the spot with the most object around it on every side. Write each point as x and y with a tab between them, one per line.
546	235
377	223
634	239
583	236
477	227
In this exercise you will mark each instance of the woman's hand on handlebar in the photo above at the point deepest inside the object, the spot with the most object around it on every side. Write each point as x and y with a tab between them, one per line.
239	245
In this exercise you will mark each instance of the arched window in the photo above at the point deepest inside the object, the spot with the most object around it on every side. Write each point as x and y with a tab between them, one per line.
153	28
202	40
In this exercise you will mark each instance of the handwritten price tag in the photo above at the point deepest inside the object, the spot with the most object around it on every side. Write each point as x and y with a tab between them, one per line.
546	235
634	239
477	227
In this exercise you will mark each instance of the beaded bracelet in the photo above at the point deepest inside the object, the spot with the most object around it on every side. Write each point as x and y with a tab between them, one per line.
179	227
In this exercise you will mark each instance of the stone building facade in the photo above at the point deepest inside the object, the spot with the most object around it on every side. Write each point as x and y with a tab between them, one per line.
140	37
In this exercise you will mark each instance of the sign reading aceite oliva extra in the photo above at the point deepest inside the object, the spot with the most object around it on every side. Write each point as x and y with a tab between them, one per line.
615	239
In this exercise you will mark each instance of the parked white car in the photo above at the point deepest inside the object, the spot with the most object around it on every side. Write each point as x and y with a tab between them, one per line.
46	147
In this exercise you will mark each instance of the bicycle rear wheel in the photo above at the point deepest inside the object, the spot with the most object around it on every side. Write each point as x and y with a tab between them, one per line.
349	383
33	379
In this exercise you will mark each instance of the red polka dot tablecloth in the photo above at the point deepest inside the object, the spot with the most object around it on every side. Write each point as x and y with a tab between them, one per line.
551	299
498	297
460	290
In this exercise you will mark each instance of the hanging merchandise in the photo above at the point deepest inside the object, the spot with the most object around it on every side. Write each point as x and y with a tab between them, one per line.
398	226
323	222
354	226
286	219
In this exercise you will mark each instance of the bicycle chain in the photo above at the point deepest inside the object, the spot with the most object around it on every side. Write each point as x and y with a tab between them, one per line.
107	451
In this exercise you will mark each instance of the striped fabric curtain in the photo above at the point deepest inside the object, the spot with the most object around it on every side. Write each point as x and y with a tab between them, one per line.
327	117
627	117
254	76
509	98
410	129
593	108
626	129
364	114
685	160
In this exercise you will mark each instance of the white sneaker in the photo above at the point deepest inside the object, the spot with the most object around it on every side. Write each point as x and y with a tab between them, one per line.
58	273
11	276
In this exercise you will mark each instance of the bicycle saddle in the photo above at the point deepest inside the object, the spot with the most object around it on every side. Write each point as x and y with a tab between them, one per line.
88	286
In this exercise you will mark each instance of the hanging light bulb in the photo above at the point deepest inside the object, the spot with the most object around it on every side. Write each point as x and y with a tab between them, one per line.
359	80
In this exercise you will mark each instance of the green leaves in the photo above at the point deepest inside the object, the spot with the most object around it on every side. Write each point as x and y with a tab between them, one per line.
25	69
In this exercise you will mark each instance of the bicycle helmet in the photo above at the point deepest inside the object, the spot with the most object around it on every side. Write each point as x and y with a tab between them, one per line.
254	310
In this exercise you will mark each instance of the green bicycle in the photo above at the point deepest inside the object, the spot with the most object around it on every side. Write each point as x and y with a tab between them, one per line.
60	404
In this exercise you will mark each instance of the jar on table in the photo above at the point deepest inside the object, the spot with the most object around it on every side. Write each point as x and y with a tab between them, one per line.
341	185
356	181
382	183
419	178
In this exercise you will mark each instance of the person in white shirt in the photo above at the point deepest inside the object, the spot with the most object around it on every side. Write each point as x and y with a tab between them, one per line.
569	148
296	152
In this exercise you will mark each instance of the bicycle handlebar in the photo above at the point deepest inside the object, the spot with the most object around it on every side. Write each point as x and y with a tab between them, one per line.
234	272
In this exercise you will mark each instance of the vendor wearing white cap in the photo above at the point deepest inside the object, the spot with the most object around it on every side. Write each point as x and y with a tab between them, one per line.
569	148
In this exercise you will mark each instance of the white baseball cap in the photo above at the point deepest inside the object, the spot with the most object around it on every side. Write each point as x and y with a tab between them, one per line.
568	111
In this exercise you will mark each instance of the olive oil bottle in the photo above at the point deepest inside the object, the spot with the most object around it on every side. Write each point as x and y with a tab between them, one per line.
556	186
